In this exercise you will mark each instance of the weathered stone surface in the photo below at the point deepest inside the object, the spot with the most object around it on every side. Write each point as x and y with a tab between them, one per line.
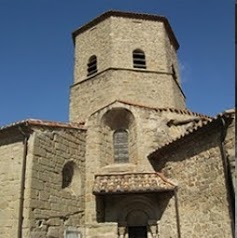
10	183
202	193
113	41
49	202
65	163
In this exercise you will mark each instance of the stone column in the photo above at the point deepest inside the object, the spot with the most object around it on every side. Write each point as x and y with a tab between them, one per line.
121	230
153	228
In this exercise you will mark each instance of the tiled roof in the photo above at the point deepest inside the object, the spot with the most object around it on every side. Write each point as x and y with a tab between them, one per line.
202	124
165	109
131	183
131	15
37	122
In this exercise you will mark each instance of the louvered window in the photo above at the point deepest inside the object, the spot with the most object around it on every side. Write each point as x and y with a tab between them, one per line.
120	146
139	59
92	65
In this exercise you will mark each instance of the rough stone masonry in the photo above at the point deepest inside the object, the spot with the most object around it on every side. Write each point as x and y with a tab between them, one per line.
133	160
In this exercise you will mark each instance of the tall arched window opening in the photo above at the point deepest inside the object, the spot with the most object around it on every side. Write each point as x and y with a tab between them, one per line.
92	65
118	137
139	59
120	141
67	174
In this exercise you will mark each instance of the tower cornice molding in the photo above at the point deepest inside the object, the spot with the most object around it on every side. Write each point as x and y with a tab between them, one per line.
131	15
94	76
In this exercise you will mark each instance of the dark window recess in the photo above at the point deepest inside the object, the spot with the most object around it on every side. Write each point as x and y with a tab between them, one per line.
174	73
139	60
137	232
92	65
67	174
120	146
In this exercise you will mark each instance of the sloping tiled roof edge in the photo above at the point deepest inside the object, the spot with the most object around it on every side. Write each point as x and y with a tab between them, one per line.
132	15
216	121
45	123
132	183
175	110
168	109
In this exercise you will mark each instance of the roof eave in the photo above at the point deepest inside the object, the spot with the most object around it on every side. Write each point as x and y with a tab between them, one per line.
143	16
29	123
215	123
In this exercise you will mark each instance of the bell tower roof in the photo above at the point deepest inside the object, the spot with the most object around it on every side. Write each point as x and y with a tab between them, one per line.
131	15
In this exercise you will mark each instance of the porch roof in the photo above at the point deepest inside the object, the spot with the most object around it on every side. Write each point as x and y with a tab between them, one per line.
131	183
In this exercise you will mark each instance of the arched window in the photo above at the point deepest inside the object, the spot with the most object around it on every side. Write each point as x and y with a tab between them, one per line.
120	141
139	59
67	174
92	65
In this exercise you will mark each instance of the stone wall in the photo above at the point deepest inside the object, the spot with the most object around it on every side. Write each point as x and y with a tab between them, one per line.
113	41
149	130
11	156
95	41
52	208
198	170
229	144
133	86
61	164
149	36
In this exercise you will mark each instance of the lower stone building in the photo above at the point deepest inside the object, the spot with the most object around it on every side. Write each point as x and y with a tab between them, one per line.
182	189
121	168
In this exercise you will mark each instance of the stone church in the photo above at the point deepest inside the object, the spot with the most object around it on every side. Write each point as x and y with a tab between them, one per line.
133	161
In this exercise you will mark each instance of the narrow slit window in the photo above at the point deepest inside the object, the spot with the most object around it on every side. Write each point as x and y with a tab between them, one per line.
120	140
174	73
139	59
92	65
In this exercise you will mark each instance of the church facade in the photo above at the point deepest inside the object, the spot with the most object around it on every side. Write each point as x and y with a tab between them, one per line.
133	161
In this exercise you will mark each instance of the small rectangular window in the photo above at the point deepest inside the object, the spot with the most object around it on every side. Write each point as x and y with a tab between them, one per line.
72	233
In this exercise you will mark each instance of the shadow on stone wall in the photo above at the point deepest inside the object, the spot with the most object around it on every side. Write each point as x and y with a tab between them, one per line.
190	147
118	208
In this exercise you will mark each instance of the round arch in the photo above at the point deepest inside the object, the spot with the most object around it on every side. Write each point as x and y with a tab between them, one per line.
128	211
116	120
71	178
137	217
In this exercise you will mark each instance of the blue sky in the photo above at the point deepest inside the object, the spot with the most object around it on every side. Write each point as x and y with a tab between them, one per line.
36	52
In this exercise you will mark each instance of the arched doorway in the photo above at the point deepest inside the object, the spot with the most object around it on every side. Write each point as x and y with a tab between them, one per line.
137	215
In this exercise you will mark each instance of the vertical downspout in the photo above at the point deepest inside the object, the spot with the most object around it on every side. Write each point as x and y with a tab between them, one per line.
22	188
177	213
229	184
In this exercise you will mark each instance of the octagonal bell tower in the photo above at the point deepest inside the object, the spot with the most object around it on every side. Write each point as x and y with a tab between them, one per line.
125	56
